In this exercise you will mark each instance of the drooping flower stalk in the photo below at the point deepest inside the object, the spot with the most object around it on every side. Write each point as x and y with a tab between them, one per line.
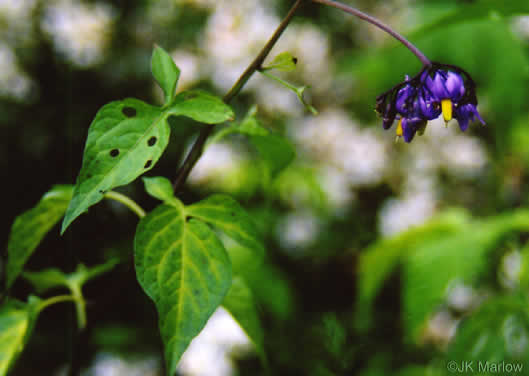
372	20
437	89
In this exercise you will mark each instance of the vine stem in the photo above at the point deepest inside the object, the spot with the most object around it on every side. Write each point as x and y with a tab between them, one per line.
372	20
128	202
198	146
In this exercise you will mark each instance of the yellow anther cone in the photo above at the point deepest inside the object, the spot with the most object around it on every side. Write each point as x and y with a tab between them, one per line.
446	106
399	128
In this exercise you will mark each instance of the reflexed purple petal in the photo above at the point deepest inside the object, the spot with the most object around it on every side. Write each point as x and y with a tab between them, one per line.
387	123
409	127
465	114
436	86
454	86
463	123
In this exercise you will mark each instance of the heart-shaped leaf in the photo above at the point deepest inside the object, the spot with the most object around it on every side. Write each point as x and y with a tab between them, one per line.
184	268
30	228
227	215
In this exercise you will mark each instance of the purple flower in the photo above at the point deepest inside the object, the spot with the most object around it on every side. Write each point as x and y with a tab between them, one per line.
405	102
437	89
446	85
448	88
410	126
429	105
466	113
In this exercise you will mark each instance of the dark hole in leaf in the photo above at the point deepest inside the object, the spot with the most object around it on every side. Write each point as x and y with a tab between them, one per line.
129	111
152	141
102	191
114	153
295	60
148	163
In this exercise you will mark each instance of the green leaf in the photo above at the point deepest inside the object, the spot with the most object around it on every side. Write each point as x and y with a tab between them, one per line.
463	257
184	268
165	72
275	149
380	260
16	324
498	332
272	290
127	138
283	62
160	188
251	126
29	228
240	303
47	279
201	106
228	216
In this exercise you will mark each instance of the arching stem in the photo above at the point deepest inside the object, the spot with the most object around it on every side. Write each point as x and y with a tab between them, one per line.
379	24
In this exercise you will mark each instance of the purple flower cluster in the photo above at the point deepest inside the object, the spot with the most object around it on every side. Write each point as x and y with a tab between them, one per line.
437	89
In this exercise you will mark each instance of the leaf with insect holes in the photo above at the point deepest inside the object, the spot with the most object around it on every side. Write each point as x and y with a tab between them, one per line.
30	227
225	213
165	72
127	138
183	267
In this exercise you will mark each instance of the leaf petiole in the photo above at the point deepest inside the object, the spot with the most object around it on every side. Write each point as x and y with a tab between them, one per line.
127	201
54	300
298	90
